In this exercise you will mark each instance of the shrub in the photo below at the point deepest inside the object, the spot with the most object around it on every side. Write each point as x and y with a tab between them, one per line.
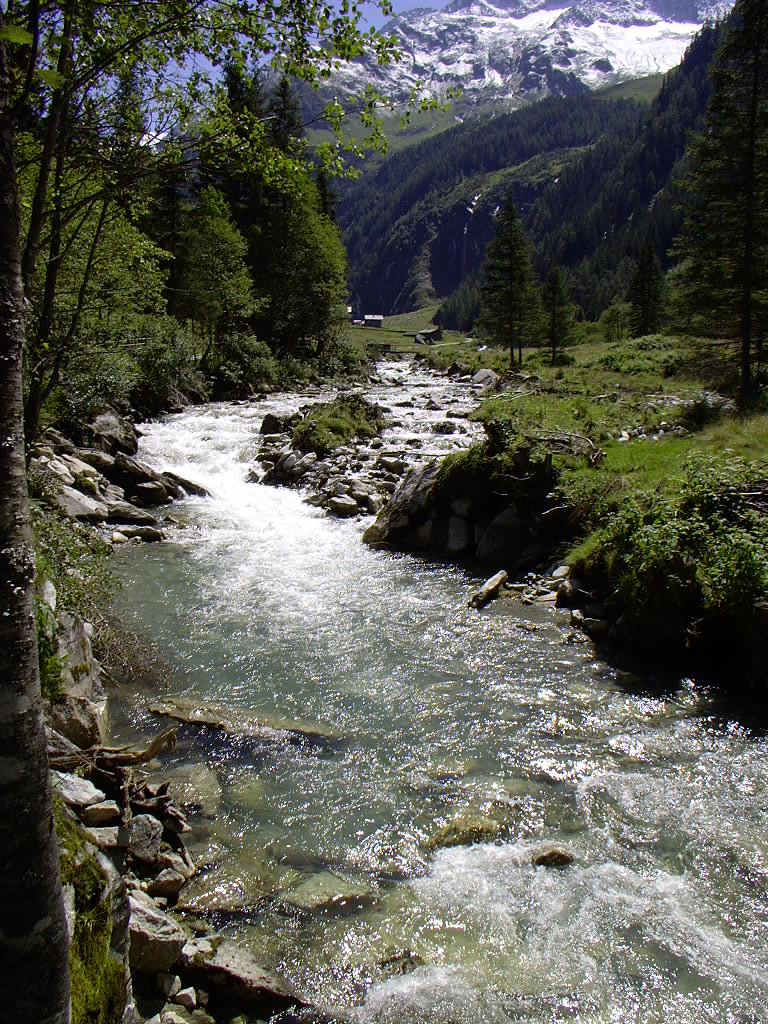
691	561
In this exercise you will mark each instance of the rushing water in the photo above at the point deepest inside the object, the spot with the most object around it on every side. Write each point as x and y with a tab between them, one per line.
440	713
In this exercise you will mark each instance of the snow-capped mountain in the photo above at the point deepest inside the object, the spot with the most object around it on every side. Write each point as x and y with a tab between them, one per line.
519	50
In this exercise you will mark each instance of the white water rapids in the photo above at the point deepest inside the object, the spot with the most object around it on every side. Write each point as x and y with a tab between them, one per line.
261	601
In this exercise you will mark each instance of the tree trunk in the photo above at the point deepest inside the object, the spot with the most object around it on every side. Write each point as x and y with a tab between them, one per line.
33	935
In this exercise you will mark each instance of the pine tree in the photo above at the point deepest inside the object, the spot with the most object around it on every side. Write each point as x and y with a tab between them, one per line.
646	291
724	242
509	298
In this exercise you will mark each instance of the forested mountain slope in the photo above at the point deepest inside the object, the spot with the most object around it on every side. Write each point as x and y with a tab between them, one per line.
420	223
592	177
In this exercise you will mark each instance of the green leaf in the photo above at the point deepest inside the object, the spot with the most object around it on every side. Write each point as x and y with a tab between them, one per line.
51	78
16	35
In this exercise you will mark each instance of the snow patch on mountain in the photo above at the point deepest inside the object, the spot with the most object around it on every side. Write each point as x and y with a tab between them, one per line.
519	50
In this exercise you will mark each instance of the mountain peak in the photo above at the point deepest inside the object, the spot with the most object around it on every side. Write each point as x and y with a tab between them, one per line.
510	52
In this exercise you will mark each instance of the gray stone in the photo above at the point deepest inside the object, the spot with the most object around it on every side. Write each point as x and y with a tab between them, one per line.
188	486
489	590
407	506
77	505
80	719
485	378
343	505
121	512
502	539
76	792
100	813
175	862
98	459
552	858
157	939
148	534
186	997
167	883
218	963
195	788
458	535
146	834
108	838
324	890
151	492
112	433
168	984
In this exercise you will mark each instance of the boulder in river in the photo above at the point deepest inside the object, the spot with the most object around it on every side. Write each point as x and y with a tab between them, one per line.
325	890
218	964
157	939
466	828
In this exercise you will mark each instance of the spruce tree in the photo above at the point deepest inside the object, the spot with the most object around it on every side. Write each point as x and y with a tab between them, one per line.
646	291
509	298
557	312
724	243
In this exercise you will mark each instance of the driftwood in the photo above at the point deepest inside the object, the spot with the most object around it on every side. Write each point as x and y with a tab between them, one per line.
489	590
110	758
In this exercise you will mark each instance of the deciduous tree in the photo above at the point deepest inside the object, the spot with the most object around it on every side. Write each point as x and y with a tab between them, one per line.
61	63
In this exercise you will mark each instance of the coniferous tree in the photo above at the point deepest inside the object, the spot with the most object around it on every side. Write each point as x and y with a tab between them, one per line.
724	242
646	291
509	298
556	311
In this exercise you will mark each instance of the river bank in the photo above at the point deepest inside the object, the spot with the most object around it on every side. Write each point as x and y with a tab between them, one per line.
468	744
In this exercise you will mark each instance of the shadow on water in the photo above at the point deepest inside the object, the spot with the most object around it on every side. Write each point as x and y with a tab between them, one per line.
725	701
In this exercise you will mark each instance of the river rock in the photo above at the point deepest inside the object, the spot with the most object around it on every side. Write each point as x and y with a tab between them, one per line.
101	813
76	792
195	788
157	939
167	883
552	858
458	535
113	433
219	964
148	534
151	492
186	997
502	540
188	486
77	505
122	512
465	829
343	505
98	459
146	834
272	424
324	890
406	507
485	378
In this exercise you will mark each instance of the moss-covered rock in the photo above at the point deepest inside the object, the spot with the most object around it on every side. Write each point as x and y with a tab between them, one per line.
330	425
98	917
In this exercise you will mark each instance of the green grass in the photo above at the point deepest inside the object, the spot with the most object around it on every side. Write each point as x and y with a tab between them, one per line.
637	89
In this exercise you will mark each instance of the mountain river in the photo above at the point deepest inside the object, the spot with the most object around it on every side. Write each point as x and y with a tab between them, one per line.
333	860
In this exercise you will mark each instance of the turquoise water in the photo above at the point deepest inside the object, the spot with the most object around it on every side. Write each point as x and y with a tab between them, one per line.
328	859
